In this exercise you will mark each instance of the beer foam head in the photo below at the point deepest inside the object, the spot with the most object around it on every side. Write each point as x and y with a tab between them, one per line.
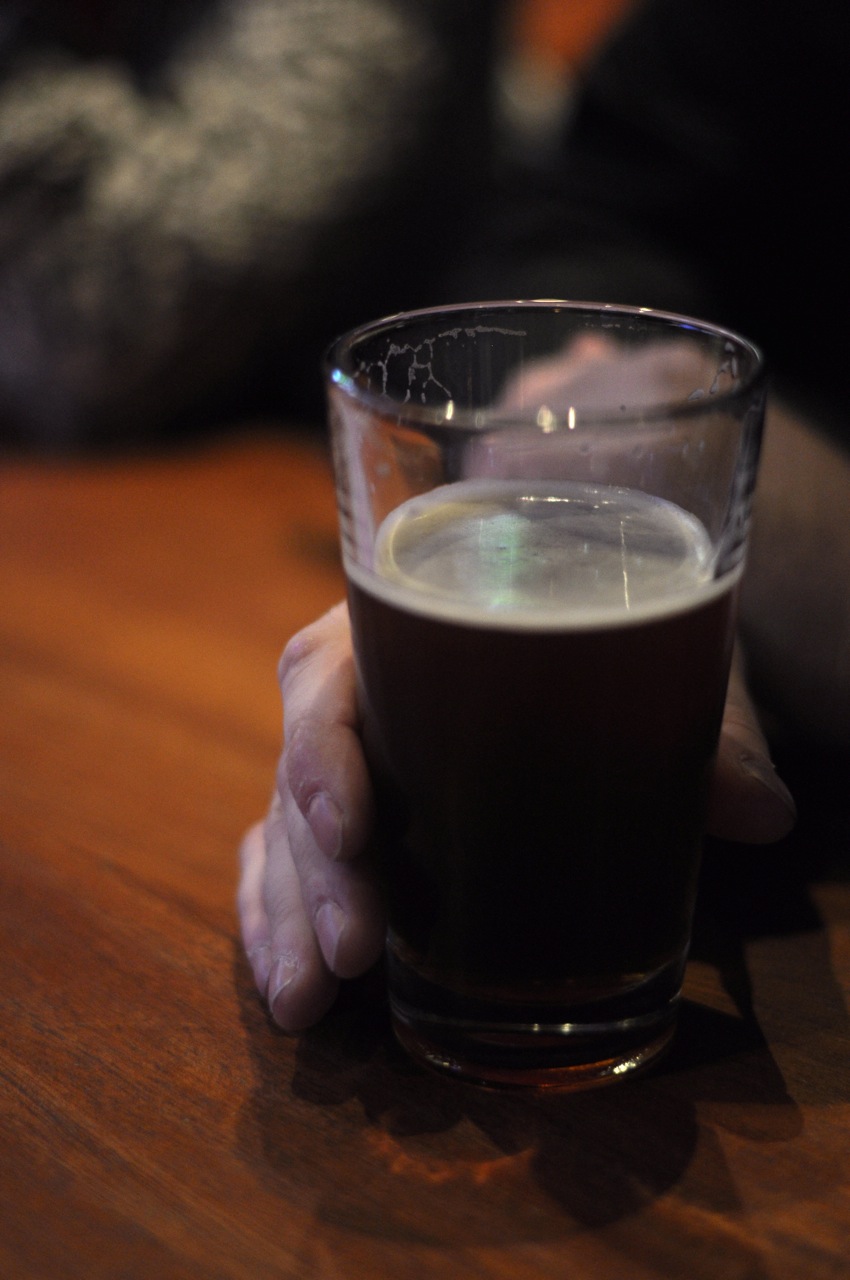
542	554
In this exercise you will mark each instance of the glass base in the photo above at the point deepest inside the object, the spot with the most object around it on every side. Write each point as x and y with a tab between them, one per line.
567	1048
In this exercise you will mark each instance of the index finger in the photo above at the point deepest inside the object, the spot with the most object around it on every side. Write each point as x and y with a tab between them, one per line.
322	765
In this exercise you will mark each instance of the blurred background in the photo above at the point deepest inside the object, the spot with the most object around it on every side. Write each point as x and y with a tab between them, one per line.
547	45
196	196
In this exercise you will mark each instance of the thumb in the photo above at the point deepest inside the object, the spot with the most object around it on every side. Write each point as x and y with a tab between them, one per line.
748	802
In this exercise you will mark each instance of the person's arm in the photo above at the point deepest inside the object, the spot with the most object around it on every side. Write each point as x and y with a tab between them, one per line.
796	597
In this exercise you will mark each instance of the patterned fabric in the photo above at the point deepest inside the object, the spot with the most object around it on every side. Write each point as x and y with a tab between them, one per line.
185	184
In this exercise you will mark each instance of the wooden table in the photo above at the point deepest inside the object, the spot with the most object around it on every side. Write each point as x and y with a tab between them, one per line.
155	1124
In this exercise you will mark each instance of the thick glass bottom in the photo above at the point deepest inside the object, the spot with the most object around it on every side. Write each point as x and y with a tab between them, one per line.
506	1045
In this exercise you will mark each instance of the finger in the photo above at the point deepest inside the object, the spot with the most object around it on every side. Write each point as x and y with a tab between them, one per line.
749	802
300	989
321	914
253	921
287	967
340	900
323	766
324	769
595	372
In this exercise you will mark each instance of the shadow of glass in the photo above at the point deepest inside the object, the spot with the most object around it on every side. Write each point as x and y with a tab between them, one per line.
402	1154
445	1164
751	895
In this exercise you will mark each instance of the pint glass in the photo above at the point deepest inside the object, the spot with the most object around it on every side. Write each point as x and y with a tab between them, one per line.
543	510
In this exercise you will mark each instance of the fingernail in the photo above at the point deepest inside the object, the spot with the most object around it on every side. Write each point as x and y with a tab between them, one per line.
329	923
760	768
283	971
325	822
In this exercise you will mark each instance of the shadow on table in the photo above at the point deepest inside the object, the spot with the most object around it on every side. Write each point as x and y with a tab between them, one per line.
553	1166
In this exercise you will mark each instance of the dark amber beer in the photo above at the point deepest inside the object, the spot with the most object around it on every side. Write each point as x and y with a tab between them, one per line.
541	769
542	662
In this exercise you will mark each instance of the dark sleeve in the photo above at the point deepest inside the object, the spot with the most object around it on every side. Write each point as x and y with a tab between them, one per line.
156	230
701	173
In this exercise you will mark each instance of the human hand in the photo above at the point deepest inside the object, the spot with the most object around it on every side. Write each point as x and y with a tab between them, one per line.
601	376
310	911
599	380
309	908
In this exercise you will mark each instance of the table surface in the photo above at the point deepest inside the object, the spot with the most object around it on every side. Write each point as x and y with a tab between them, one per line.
155	1123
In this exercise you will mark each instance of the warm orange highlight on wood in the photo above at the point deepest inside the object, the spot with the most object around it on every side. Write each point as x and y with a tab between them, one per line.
154	1125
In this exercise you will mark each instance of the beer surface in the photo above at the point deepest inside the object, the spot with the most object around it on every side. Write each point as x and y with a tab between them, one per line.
542	555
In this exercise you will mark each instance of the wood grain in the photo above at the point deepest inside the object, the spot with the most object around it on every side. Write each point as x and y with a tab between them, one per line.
154	1123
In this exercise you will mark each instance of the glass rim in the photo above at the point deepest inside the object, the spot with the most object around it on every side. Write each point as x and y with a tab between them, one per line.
340	371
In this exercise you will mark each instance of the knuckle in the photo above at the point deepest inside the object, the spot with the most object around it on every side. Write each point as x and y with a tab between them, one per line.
309	644
298	655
